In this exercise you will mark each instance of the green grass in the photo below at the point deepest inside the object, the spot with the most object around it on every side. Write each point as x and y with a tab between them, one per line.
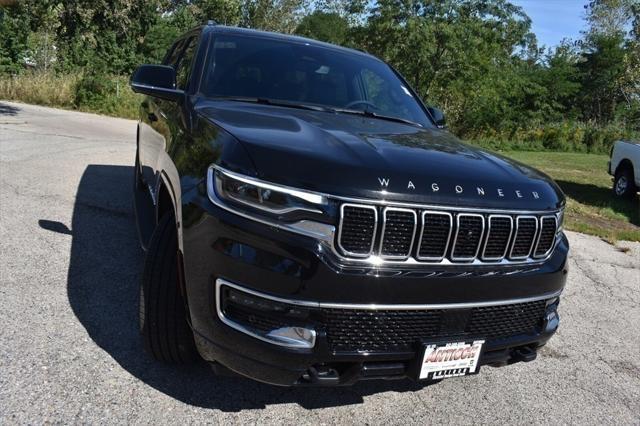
592	207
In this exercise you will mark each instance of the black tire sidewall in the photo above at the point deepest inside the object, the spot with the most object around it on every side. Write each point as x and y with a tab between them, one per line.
163	316
630	190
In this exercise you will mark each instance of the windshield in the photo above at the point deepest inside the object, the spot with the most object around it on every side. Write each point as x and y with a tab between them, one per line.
252	67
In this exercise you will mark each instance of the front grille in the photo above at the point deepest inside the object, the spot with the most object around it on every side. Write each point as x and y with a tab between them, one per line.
436	232
498	236
397	234
357	229
468	237
526	228
547	234
442	236
396	330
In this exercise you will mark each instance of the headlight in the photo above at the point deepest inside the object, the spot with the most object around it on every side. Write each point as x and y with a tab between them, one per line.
269	198
560	218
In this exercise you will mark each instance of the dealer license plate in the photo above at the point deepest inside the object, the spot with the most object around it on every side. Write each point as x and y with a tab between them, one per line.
450	360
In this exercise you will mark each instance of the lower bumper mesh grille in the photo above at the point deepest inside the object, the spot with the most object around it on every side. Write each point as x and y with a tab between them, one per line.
371	331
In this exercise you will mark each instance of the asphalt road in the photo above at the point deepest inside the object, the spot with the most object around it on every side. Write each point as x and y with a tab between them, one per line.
69	345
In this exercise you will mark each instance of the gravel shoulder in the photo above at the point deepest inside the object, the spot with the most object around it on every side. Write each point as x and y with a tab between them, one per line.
69	345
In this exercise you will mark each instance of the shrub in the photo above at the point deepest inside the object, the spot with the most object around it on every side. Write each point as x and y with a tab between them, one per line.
567	136
104	94
56	90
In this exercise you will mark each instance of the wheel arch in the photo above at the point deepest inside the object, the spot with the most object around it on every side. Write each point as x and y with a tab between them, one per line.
624	164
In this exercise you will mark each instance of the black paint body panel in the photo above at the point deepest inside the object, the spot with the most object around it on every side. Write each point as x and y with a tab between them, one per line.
341	155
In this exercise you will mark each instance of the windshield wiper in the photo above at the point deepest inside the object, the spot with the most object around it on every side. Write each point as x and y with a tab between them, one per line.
368	113
273	102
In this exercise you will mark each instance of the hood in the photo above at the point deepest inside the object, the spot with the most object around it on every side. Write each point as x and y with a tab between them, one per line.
355	156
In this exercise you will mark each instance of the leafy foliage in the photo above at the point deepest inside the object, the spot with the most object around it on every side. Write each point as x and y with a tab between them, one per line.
476	59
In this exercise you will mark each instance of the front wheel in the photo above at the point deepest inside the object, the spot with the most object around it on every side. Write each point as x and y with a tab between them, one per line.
163	318
623	185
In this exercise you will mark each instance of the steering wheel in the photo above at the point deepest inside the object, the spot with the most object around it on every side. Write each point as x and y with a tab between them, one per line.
354	103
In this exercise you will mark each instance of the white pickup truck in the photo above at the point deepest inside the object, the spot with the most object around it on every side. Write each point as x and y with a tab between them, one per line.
624	166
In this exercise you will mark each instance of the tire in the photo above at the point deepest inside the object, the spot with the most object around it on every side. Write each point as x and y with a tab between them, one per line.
163	318
623	183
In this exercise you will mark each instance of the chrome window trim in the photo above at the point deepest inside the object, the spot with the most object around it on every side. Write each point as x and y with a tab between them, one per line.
515	236
384	224
486	238
446	247
374	307
555	233
455	239
247	330
373	237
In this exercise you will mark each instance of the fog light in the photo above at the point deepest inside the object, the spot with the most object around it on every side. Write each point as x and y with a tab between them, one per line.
298	337
264	318
552	320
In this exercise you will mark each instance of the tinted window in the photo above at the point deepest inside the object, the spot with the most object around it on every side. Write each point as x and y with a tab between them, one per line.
245	66
184	66
173	54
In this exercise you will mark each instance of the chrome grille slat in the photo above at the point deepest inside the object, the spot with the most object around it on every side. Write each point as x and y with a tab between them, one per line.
499	232
546	236
435	235
444	237
398	232
524	237
469	233
357	231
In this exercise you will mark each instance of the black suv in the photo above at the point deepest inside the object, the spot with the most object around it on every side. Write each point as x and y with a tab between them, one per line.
308	221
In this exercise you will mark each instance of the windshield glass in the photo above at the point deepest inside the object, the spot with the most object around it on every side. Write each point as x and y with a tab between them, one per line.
242	66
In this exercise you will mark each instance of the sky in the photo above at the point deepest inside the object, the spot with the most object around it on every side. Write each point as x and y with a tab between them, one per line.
553	20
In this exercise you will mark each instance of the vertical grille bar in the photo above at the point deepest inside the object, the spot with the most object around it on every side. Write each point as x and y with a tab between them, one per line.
469	232
499	230
435	235
357	230
398	231
546	237
525	236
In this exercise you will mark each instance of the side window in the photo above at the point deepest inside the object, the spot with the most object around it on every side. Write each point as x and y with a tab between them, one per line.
184	65
173	54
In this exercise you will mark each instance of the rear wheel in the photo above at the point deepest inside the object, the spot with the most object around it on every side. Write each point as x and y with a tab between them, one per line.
163	318
623	184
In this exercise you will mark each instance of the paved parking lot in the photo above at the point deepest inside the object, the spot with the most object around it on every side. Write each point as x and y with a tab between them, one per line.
69	346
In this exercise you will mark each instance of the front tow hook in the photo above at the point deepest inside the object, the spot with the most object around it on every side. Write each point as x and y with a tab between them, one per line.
524	354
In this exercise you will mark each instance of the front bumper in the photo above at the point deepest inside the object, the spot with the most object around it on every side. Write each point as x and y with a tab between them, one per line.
222	247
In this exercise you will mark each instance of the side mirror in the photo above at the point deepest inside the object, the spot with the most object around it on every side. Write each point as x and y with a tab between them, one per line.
156	80
438	117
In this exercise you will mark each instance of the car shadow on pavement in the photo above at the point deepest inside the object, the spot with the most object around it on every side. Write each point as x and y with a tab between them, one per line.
597	196
102	285
8	109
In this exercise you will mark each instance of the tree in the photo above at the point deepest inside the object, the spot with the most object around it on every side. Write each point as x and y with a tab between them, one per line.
324	26
460	55
14	34
273	15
